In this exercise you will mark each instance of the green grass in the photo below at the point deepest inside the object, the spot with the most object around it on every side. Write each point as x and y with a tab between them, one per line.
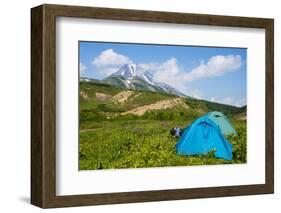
140	99
90	89
143	143
109	140
145	98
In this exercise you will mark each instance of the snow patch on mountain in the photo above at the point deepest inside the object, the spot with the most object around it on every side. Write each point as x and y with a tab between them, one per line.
134	76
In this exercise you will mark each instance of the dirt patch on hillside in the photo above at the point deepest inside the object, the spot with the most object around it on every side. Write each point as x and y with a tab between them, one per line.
135	96
164	104
84	95
122	97
102	96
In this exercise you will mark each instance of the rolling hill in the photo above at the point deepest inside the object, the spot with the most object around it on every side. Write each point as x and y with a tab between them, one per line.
100	101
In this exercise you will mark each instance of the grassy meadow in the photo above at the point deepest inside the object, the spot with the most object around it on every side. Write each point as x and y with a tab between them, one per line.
131	129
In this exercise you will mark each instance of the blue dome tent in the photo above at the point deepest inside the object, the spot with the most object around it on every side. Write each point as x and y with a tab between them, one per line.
221	120
203	136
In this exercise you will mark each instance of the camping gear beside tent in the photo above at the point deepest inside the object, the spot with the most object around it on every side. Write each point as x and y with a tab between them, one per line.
202	137
177	132
221	120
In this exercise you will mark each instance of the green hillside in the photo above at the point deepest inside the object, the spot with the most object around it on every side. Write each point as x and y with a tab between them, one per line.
130	129
100	102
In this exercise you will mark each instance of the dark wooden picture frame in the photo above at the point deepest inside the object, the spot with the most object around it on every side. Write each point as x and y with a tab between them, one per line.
43	105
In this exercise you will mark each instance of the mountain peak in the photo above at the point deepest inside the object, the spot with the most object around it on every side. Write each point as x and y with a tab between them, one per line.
133	76
127	71
131	66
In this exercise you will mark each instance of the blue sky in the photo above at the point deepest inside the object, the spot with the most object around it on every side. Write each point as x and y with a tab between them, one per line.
212	73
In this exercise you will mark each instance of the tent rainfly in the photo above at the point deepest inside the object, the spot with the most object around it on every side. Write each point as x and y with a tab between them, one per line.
224	124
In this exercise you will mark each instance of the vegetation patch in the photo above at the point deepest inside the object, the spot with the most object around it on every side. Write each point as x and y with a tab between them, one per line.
112	139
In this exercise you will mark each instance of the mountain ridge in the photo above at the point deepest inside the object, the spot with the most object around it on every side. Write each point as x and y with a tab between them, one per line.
133	76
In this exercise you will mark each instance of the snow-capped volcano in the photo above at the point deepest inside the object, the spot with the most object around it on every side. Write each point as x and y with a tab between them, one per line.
127	71
130	71
133	76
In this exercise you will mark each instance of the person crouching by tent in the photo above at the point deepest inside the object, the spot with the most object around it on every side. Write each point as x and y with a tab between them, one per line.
176	132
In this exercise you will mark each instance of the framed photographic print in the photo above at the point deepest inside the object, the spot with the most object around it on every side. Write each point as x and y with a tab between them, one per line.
136	106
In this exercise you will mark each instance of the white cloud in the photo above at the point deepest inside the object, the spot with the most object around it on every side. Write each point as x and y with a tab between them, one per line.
241	102
108	62
195	93
110	58
230	101
169	72
151	67
82	67
106	71
216	66
172	73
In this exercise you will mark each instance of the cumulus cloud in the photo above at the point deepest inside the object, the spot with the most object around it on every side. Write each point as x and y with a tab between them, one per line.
110	58
108	62
216	66
171	72
230	101
82	67
151	67
195	93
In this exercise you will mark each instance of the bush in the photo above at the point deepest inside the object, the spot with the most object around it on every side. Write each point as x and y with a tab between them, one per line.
91	115
239	143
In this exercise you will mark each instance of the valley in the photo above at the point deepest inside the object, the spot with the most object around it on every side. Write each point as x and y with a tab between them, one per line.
128	128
